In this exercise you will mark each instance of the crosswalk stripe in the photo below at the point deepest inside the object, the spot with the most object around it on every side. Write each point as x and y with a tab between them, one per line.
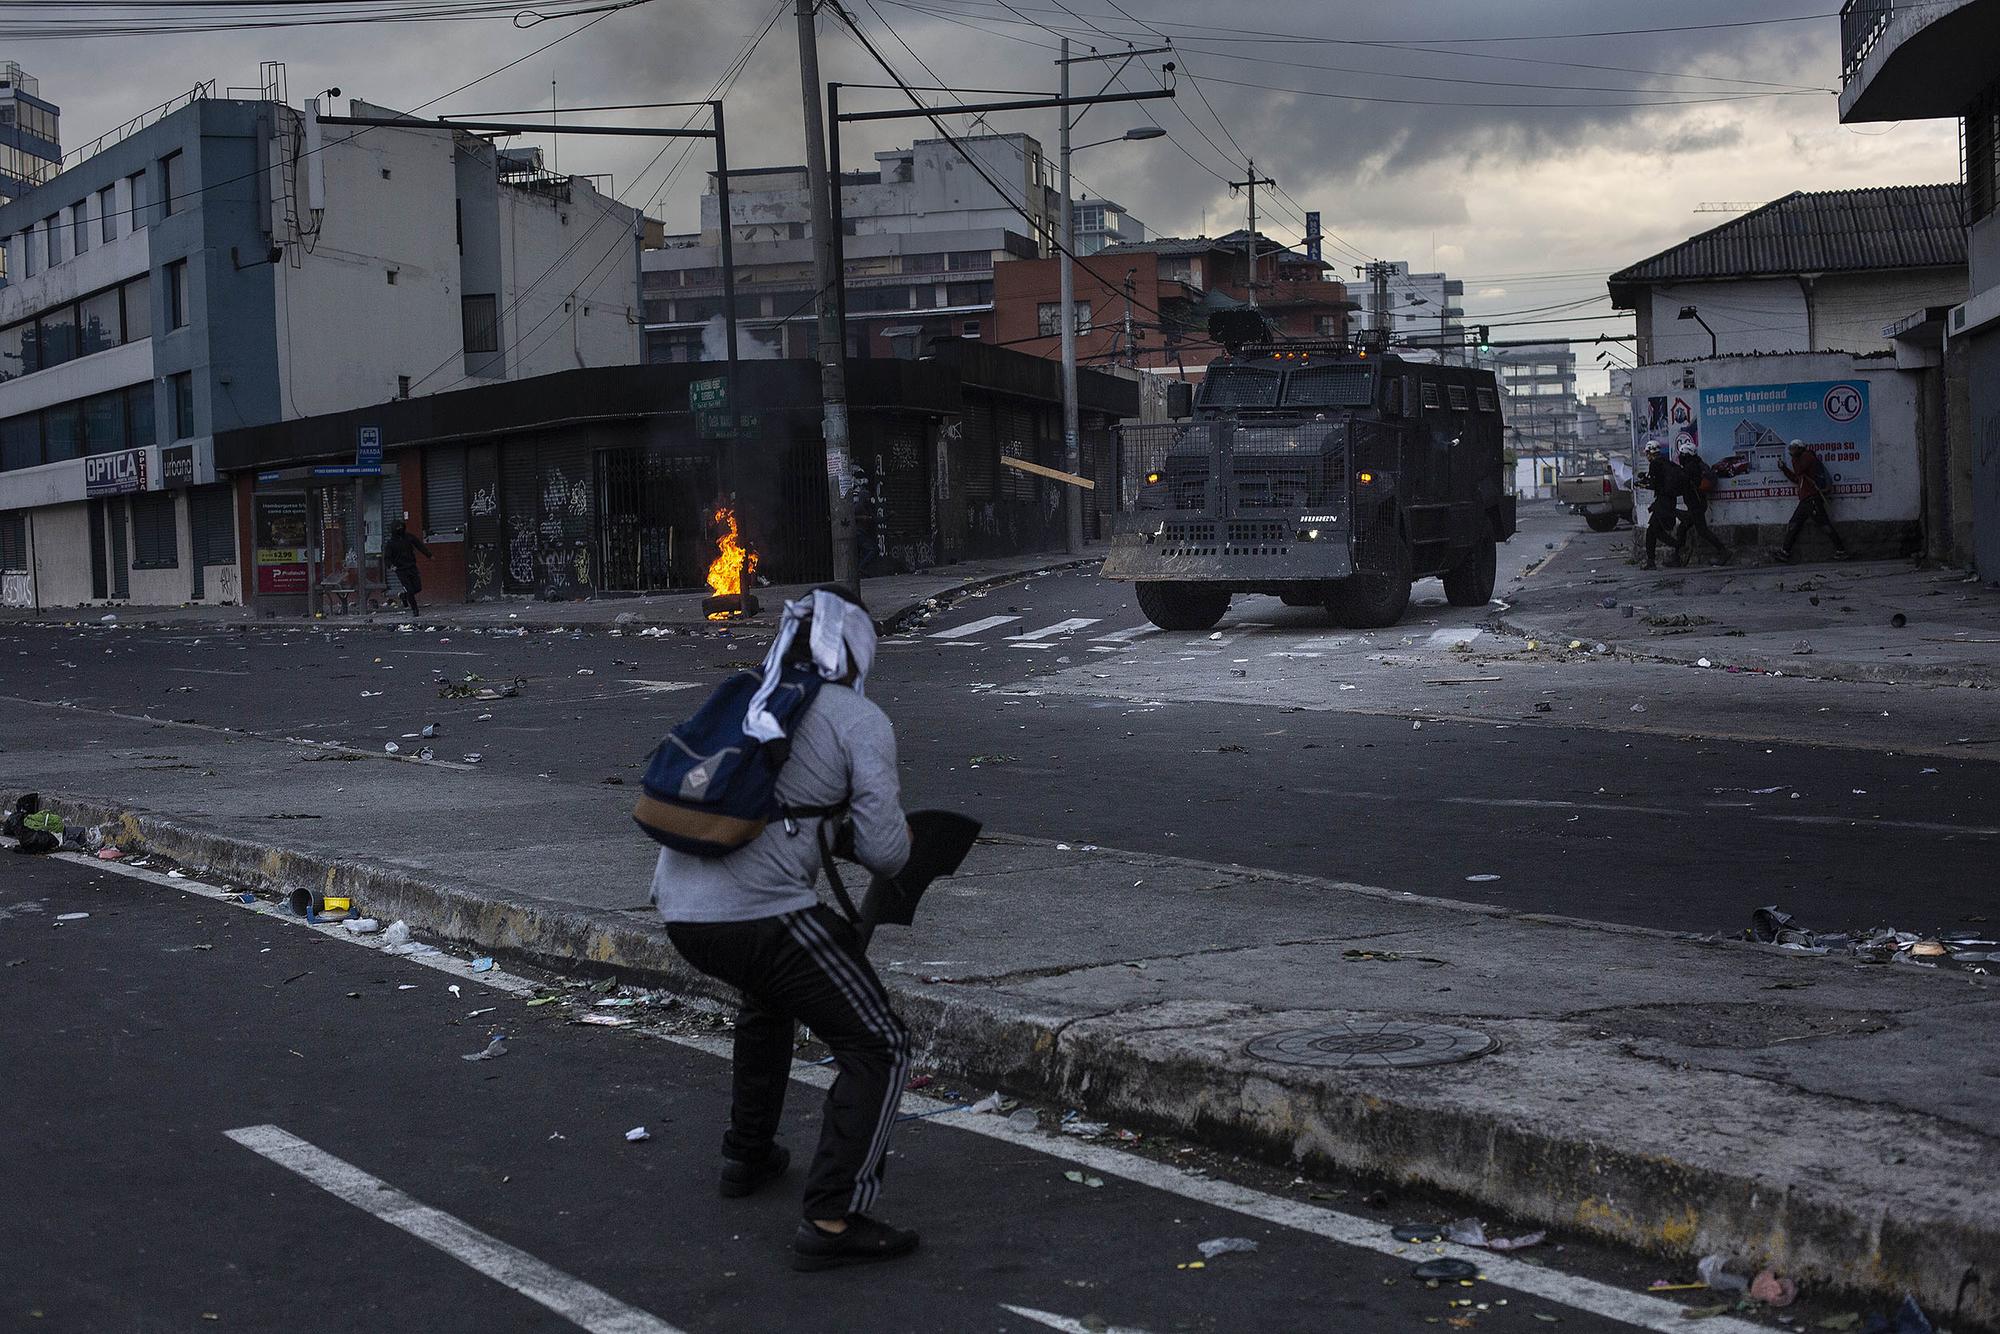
1070	626
1127	635
974	627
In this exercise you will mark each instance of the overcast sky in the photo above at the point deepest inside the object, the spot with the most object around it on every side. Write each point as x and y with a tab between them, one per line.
1531	204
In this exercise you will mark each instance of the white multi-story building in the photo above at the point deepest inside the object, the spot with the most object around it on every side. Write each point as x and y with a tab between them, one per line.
1103	222
240	263
1422	311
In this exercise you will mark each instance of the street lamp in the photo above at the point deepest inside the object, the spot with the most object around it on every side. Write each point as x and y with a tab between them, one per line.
1690	313
1066	319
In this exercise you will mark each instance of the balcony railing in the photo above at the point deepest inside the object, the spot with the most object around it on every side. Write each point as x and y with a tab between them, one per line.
1861	24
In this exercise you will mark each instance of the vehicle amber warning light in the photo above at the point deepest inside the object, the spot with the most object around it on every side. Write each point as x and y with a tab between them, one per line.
1367	477
1152	479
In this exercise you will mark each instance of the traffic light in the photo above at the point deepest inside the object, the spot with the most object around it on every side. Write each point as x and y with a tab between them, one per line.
1485	339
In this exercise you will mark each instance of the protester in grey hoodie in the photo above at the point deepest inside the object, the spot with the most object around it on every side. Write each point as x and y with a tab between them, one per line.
753	919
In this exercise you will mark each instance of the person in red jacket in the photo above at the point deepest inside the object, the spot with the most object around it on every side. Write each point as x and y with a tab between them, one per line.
1809	474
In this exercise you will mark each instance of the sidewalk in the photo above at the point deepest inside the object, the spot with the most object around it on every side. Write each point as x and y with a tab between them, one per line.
1837	1119
890	599
1830	620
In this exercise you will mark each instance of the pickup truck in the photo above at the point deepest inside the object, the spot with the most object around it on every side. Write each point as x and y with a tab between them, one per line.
1601	498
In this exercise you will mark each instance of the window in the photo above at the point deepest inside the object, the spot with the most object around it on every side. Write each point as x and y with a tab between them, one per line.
933	263
169	183
390	275
1430	392
1981	147
1455	394
402	386
1047	318
27	240
138	308
155	542
52	238
139	428
137	196
968	261
21	441
56	332
107	213
968	294
62	433
183	386
177	295
1484	398
480	316
104	422
1326	326
98	323
1330	387
16	341
79	227
970	329
14	542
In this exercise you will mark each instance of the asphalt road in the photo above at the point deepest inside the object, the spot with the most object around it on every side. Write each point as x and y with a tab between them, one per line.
1644	794
141	1035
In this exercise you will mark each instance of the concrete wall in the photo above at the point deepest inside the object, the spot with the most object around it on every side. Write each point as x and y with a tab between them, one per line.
1845	313
572	270
345	331
1882	522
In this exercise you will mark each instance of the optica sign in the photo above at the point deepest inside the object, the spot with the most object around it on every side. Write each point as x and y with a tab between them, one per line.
114	474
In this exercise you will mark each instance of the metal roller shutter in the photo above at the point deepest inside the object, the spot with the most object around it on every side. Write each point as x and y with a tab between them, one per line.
519	514
212	517
565	546
444	489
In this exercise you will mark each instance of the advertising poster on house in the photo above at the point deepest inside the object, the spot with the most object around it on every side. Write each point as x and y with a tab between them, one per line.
280	530
1747	429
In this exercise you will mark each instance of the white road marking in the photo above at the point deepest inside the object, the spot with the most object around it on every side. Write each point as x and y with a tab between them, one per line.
1127	635
574	1300
1292	653
1031	646
1925	826
1530	803
1067	627
978	627
657	687
206	671
1569	1290
1457	635
1064	1323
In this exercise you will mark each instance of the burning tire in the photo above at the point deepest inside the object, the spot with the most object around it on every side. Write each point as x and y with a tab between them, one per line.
1178	606
1471	584
1377	594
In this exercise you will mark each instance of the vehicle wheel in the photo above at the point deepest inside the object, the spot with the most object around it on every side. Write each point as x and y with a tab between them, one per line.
1378	592
1601	523
1471	584
1174	606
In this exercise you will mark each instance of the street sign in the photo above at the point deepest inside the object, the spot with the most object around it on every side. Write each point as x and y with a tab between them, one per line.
717	425
368	446
348	470
114	474
707	395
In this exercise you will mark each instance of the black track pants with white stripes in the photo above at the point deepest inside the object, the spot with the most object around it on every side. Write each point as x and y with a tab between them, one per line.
808	967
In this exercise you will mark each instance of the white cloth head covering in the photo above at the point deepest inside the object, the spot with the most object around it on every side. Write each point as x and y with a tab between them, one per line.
842	634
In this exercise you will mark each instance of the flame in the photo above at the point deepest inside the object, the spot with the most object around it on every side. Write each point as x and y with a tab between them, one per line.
733	564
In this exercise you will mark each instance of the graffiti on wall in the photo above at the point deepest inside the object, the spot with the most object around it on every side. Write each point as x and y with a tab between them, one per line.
482	576
485	503
16	590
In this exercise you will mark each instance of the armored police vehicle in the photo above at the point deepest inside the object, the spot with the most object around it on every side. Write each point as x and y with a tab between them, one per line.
1325	474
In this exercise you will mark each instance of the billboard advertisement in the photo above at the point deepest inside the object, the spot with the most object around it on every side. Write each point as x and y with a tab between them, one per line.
1744	431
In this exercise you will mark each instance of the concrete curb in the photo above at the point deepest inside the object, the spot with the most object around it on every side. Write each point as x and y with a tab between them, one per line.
1182	1073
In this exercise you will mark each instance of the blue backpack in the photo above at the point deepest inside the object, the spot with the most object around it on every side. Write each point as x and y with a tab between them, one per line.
710	788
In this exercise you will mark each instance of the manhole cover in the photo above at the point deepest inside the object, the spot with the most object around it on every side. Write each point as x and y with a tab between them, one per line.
1361	1045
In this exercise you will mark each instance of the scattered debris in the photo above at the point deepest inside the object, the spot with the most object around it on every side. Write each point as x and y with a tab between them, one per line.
637	1134
1082	1180
1773	1289
496	1047
1024	1119
1472	1232
482	964
1446	1268
604	1020
396	940
1482	878
71	916
1417	1232
1713	1273
362	926
1225	1246
989	1103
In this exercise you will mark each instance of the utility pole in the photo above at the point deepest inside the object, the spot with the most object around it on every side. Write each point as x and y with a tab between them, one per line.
1250	281
1065	228
1131	348
832	345
1072	441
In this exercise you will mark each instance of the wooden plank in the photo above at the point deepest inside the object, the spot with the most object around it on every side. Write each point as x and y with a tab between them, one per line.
1040	471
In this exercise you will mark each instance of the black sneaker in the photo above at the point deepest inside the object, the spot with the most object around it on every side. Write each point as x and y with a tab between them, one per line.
1843	554
864	1242
740	1178
1780	555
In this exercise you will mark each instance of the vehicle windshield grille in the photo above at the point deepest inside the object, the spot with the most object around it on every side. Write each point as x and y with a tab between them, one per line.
1330	387
1240	387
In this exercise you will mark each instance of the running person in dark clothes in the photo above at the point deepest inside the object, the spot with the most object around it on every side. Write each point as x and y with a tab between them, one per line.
1807	471
400	554
1697	480
1666	482
753	919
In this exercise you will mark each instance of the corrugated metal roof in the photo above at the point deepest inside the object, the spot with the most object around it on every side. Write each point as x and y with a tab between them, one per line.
1828	231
